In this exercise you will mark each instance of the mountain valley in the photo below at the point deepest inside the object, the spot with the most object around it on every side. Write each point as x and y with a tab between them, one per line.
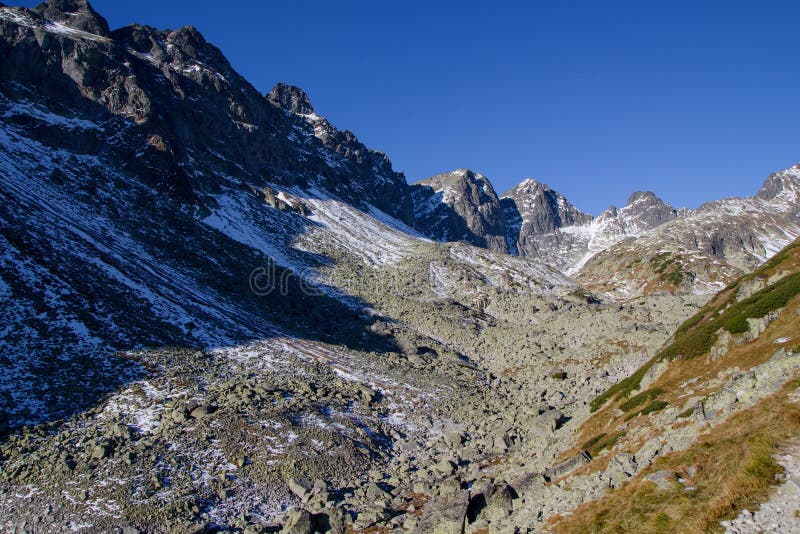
221	313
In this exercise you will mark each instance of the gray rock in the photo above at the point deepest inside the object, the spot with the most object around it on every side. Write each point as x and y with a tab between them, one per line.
444	514
460	206
102	450
549	421
567	466
297	522
301	487
499	504
662	479
625	462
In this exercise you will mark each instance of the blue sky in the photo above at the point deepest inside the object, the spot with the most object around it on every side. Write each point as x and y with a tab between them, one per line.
694	100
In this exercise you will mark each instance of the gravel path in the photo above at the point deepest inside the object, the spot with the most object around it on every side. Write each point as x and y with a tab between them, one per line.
781	513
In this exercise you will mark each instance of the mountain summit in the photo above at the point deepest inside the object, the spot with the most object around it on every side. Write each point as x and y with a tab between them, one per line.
75	14
290	98
460	205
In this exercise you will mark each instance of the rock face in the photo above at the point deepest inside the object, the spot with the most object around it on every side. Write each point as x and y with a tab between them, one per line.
76	14
644	211
460	206
534	214
541	223
290	98
532	208
783	186
178	97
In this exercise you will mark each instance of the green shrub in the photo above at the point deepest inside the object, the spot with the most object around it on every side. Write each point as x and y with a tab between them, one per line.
769	299
587	445
641	398
604	441
623	387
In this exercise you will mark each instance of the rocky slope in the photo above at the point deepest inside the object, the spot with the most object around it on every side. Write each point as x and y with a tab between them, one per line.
705	249
689	438
460	206
218	317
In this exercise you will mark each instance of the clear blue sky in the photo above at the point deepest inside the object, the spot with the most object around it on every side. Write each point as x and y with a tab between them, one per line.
694	100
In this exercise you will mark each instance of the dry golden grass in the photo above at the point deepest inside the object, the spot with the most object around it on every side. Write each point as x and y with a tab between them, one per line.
734	459
735	469
682	370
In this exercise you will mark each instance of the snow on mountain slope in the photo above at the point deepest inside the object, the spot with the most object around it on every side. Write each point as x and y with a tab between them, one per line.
96	260
541	223
717	241
706	248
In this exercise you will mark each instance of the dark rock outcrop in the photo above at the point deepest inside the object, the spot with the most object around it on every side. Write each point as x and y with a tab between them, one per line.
784	184
534	209
189	117
460	206
75	14
291	99
644	211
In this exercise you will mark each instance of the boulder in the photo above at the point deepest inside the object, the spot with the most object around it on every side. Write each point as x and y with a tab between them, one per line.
296	522
500	504
301	487
662	479
548	421
444	514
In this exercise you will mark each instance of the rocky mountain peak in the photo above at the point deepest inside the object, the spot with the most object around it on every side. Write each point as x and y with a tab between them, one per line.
644	210
529	184
462	180
644	196
460	205
542	208
192	43
782	186
75	14
290	98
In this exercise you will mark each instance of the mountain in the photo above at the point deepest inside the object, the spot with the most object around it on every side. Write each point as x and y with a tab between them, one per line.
704	249
460	206
221	313
533	210
644	247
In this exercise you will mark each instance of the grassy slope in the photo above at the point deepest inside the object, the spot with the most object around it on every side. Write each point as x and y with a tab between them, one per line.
734	470
735	457
698	334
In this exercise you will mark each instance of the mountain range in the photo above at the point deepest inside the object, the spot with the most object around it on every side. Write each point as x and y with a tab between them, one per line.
223	313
